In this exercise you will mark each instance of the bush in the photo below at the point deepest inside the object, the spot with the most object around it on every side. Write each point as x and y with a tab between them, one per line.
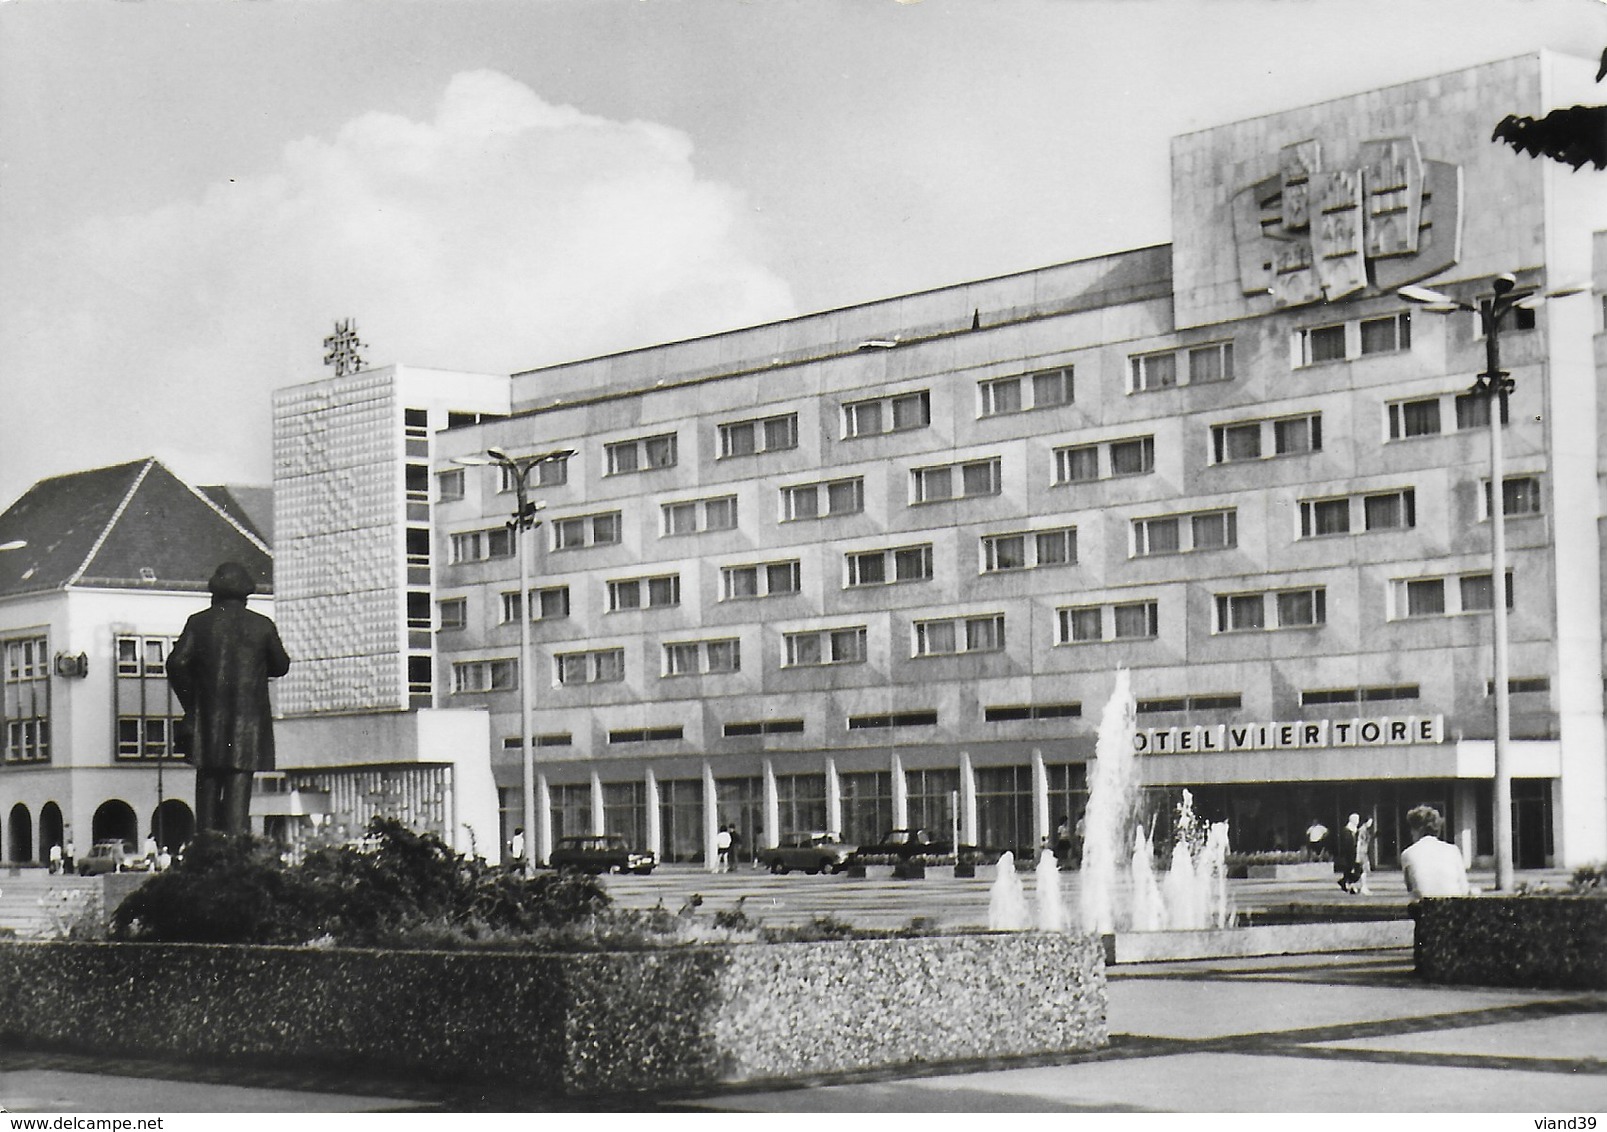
238	890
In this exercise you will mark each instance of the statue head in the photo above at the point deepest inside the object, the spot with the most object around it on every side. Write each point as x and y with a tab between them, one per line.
232	580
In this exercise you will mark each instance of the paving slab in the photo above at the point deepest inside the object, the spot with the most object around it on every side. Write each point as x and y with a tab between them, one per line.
1577	1037
55	1090
1204	1082
1195	1009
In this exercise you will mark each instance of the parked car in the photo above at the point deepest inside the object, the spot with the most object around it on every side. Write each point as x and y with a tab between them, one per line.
903	844
111	856
609	853
814	852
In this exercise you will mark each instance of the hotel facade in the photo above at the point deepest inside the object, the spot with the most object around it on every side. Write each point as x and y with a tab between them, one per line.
877	567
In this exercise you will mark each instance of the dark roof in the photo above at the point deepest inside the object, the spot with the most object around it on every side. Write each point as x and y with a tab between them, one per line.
131	526
251	507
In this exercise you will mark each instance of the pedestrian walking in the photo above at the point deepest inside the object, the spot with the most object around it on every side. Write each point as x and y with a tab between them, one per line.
1364	855
1345	862
722	846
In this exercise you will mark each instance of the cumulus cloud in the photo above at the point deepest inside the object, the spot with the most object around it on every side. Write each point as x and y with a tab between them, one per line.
502	234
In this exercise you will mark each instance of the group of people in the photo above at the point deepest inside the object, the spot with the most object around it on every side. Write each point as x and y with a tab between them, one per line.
728	847
1430	866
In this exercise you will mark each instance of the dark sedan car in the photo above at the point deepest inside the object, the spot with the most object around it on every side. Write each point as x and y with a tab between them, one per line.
609	853
813	852
904	843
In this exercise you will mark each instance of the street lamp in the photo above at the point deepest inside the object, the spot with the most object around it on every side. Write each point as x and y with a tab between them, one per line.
523	520
1494	385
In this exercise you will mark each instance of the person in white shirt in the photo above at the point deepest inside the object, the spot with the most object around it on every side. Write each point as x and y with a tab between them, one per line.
1432	867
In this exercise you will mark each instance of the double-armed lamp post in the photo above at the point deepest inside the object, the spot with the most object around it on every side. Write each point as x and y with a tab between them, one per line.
523	521
1494	385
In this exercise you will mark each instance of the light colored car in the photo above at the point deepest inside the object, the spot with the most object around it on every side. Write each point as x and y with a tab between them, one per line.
111	856
814	852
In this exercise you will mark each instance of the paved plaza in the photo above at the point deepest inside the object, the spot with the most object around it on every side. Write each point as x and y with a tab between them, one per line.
1319	1033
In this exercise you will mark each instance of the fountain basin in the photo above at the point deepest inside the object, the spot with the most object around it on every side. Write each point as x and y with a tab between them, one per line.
1264	939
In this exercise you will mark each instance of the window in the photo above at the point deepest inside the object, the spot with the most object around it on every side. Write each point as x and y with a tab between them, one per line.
1195	365
1238	612
1520	495
887	414
453	613
1386	335
1321	517
1236	442
1182	534
818	500
551	472
1322	344
449	484
824	646
1293	609
1478	593
1007	713
1225	701
644	454
768	579
480	546
1390	510
879	567
955	481
600	666
1523	318
1082	623
1033	391
769	434
1127	457
959	634
644	593
645	735
1029	549
1136	619
547	604
1382	694
586	530
893	719
1294	435
1434	597
1155	371
485	676
1077	465
1419	417
1211	363
689	658
718	513
1520	685
766	727
1473	411
1302	608
1132	620
1254	440
1132	457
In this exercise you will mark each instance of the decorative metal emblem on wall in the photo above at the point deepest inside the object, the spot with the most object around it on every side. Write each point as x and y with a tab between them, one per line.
1309	234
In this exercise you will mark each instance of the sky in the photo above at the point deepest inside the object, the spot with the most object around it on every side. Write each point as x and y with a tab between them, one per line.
191	193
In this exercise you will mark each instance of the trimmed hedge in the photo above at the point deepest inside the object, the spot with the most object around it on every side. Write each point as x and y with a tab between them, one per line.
1512	941
586	1023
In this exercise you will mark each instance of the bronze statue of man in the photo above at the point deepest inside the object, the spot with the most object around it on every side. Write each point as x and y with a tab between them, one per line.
219	670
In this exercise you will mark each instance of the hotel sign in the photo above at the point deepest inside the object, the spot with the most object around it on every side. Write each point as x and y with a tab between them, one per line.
1301	735
1381	219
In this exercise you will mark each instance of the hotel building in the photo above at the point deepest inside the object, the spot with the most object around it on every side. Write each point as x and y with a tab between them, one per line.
876	567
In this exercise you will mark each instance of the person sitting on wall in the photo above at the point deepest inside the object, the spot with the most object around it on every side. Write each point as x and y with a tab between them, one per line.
1432	867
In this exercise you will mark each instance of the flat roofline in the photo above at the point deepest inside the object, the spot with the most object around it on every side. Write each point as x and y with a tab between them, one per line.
839	310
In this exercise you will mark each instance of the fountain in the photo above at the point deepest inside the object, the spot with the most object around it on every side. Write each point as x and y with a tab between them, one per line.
1007	902
1051	905
1192	893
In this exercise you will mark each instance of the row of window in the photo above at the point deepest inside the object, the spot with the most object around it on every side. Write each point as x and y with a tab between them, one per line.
981	478
1186	533
1302	607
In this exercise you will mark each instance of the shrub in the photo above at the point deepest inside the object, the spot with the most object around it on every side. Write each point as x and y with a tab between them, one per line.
238	890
